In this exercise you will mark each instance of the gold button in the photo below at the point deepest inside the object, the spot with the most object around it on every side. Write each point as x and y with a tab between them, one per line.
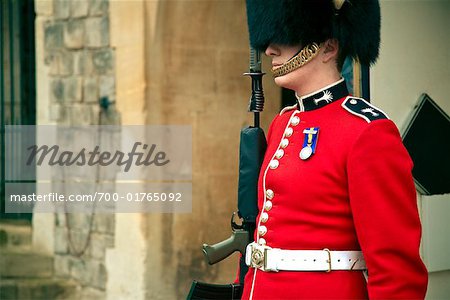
262	241
288	131
274	164
262	230
284	143
264	217
279	154
270	194
268	205
295	120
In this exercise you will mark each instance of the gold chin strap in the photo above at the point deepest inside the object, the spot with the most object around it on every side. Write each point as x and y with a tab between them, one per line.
304	56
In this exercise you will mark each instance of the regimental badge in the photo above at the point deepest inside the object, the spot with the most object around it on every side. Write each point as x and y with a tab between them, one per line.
309	142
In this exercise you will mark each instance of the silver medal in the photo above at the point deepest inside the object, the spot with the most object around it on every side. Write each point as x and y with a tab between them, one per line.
306	152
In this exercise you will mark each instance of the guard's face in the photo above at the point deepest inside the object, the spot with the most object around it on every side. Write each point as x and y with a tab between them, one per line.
281	54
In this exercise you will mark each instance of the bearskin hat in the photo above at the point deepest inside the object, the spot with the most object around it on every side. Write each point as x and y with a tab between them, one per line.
354	23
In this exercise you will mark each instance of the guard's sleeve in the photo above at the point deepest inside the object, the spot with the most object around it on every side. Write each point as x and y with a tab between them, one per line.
384	207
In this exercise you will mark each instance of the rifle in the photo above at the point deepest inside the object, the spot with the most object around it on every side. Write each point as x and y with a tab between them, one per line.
251	153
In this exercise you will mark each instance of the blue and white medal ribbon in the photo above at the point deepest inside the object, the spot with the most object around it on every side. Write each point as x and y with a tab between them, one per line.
309	142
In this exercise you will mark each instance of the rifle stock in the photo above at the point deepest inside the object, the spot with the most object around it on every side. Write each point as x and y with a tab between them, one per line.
236	242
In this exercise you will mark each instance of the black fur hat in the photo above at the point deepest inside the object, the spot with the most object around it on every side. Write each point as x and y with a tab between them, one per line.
356	25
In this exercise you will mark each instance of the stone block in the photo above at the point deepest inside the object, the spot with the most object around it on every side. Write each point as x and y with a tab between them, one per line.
112	117
97	32
73	89
80	115
83	62
64	113
79	8
60	62
95	109
57	90
53	35
38	288
51	60
90	89
97	274
65	63
60	219
97	246
43	7
104	223
79	221
61	9
108	87
15	234
98	7
20	262
62	265
103	61
61	240
74	34
78	240
54	112
79	271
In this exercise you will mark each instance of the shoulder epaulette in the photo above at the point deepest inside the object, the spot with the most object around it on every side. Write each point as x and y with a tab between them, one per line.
363	109
288	108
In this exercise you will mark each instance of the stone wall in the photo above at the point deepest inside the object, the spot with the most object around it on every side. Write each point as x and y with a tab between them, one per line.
80	61
78	68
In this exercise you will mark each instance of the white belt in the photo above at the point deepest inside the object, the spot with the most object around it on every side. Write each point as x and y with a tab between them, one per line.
274	259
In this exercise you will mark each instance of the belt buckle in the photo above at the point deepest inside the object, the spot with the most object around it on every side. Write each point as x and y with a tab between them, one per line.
258	258
329	259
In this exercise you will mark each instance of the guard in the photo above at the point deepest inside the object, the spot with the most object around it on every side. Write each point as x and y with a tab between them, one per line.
337	205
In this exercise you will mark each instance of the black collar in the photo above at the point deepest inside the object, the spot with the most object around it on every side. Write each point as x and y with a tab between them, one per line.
323	96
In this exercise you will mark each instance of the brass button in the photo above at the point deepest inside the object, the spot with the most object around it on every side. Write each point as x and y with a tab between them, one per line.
288	132
262	230
295	120
284	143
261	241
279	154
269	194
264	217
274	164
268	205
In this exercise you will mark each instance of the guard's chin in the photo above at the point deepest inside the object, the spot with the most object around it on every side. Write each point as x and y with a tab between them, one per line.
279	81
285	81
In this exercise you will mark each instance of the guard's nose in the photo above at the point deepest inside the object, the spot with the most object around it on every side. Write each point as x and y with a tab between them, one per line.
272	50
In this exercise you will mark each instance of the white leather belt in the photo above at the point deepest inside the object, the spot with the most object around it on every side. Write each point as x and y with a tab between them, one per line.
274	259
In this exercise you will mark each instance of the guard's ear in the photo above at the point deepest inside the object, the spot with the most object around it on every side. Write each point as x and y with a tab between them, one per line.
331	50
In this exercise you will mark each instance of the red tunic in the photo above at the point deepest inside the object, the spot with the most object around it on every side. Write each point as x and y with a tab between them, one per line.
355	192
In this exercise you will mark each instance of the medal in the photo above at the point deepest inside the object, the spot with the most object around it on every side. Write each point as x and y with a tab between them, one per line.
309	142
306	152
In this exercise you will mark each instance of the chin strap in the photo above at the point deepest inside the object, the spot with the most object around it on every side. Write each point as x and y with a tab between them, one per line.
305	55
